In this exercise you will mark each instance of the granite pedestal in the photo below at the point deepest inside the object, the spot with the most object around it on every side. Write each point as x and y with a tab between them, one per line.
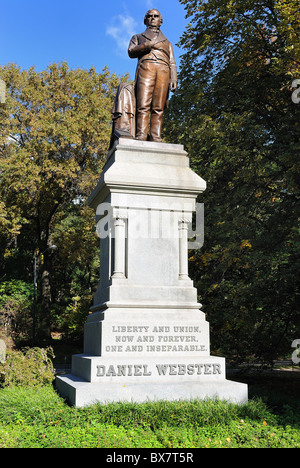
146	337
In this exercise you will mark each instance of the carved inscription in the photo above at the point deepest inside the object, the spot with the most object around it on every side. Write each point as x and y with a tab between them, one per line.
155	339
142	370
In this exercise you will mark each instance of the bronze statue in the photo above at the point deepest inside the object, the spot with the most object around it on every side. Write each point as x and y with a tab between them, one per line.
156	74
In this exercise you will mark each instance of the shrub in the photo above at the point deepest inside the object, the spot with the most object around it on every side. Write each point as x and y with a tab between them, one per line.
31	367
16	308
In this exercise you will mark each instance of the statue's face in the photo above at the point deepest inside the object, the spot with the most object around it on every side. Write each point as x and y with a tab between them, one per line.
153	19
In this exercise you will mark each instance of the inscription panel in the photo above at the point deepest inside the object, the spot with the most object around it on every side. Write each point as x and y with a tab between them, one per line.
153	339
158	370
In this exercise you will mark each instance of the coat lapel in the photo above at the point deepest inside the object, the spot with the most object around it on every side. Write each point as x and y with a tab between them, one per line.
149	34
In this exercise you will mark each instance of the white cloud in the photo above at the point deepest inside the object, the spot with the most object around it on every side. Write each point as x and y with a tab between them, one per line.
152	4
121	29
149	4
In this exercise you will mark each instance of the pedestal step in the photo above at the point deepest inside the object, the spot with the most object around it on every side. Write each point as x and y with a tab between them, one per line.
148	369
81	393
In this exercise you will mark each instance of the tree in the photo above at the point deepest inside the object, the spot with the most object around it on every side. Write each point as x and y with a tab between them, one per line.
234	113
54	134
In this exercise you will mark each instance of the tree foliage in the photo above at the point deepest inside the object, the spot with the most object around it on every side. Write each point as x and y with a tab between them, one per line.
234	113
54	134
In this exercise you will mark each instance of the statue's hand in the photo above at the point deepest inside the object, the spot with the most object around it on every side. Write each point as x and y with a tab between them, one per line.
151	44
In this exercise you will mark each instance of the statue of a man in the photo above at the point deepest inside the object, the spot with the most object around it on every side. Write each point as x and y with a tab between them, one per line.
156	74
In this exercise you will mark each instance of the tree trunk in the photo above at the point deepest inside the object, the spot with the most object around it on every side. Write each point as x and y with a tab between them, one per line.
44	327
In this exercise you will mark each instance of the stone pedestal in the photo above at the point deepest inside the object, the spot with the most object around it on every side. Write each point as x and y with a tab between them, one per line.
146	337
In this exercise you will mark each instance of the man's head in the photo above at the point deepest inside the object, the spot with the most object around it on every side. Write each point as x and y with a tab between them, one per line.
153	19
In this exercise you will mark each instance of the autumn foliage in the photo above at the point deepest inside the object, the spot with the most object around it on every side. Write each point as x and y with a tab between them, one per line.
54	135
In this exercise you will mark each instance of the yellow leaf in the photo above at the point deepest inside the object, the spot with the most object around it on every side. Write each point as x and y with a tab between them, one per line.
246	243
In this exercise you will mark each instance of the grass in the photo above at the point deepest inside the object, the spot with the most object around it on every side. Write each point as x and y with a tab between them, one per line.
39	418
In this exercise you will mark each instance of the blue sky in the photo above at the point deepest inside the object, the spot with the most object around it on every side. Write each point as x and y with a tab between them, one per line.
84	33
